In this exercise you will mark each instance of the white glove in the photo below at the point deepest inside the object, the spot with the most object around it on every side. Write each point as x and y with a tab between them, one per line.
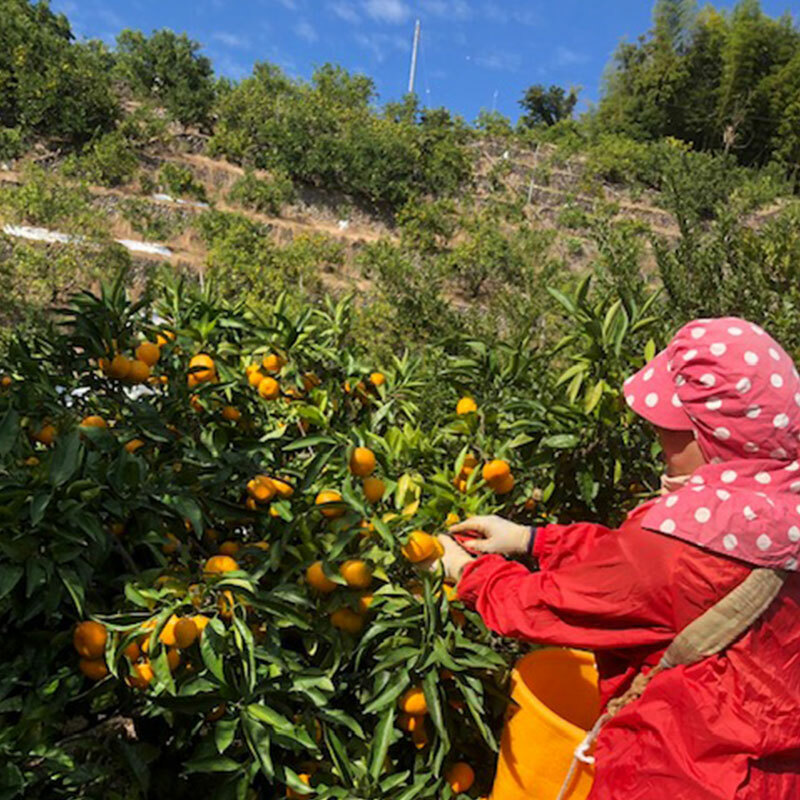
499	535
453	561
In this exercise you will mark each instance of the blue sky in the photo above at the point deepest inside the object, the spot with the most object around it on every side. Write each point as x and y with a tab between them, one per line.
475	53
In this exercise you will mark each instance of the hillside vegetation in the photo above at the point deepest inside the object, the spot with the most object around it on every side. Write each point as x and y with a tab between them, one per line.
222	461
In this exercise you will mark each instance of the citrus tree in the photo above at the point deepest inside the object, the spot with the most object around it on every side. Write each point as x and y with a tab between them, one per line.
218	571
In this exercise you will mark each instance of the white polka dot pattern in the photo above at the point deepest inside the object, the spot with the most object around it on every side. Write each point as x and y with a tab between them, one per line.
737	390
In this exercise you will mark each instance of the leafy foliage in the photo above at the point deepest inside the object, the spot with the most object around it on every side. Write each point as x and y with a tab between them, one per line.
325	133
722	82
547	106
50	85
167	68
266	196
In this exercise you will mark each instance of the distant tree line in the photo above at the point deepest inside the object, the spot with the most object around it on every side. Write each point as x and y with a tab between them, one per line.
720	82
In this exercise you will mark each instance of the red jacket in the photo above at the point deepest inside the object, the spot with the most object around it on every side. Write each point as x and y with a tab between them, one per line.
727	728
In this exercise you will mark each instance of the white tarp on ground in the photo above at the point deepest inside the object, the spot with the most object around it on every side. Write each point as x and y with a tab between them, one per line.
54	237
167	198
145	247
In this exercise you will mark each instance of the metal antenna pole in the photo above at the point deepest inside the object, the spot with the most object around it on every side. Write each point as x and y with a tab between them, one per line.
413	76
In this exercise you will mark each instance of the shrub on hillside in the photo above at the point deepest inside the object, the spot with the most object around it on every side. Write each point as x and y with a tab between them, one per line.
179	181
326	133
167	68
52	86
267	196
110	160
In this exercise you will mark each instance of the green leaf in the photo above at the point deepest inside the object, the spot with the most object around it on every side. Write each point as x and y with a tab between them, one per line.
594	396
9	429
561	441
381	739
338	754
269	716
649	350
39	503
308	441
389	694
224	732
10	575
211	644
66	458
430	686
74	586
257	738
211	764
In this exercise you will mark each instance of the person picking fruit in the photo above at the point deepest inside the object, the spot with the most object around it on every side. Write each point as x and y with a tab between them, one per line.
696	594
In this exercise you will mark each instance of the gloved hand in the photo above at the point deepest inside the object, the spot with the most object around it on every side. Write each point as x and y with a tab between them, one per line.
453	561
497	535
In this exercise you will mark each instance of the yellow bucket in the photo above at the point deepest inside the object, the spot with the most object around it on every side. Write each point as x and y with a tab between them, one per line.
555	703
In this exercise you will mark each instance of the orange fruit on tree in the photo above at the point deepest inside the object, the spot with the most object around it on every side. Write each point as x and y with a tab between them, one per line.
6	381
149	353
133	445
374	489
410	722
283	488
200	621
317	579
377	379
93	421
89	639
164	338
329	496
362	462
225	604
132	651
461	776
119	367
45	435
261	488
347	620
438	548
420	546
503	485
186	632
219	565
139	372
357	574
364	602
167	635
413	701
269	388
496	470
93	668
202	368
173	658
294	794
451	519
141	675
273	363
231	414
255	376
469	464
229	548
466	405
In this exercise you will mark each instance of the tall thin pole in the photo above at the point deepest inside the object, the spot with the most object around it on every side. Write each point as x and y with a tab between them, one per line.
413	76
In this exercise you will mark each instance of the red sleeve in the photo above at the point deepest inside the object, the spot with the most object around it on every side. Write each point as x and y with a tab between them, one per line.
559	545
611	591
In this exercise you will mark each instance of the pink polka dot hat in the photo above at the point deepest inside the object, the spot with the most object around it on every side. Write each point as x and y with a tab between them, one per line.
736	388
